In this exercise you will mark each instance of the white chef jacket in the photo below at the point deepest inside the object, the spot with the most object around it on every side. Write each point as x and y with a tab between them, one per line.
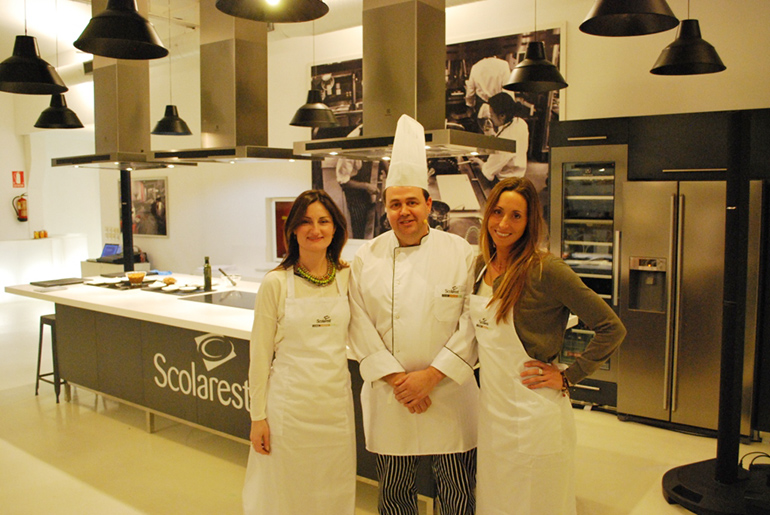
486	79
409	311
507	164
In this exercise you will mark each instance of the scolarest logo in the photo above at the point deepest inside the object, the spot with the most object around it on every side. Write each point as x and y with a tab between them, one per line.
482	323
452	292
323	322
215	350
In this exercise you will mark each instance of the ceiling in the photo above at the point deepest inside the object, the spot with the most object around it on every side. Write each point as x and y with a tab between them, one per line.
57	23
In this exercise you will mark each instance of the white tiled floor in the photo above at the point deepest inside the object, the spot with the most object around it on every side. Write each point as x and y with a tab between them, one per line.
92	456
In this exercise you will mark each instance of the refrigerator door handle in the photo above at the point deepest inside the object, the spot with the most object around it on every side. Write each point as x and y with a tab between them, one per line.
615	268
677	307
672	231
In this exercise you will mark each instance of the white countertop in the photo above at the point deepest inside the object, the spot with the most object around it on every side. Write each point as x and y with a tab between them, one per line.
159	307
152	306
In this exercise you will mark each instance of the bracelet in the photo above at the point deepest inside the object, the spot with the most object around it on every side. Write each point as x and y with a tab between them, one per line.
564	381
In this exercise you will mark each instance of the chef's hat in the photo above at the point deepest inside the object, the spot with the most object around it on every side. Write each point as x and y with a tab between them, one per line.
408	163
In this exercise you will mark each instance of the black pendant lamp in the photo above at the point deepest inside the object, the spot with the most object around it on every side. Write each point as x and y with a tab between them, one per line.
25	72
535	74
274	11
628	18
314	113
121	32
58	115
689	54
171	124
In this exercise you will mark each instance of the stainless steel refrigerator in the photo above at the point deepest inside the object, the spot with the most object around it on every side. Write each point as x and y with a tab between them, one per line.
671	283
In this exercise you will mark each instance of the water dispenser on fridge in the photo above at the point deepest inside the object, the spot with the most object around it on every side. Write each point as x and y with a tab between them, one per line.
647	284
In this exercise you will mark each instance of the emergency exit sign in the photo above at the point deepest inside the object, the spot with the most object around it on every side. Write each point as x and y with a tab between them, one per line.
18	179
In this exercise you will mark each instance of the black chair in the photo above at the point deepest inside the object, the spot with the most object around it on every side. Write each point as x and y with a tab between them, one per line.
56	381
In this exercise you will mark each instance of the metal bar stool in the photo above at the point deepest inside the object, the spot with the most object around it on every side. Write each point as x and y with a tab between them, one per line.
56	381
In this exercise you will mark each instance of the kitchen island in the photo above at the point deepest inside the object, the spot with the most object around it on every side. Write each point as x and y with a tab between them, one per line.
181	355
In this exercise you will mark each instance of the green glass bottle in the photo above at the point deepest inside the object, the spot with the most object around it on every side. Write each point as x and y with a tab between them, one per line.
207	275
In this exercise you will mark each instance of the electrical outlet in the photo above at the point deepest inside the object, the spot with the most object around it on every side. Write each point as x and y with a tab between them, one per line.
112	234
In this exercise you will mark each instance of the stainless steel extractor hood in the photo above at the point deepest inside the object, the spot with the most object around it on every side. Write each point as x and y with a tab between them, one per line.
233	74
121	110
438	143
128	161
404	59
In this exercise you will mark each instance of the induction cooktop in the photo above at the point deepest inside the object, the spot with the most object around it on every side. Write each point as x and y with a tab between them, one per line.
231	298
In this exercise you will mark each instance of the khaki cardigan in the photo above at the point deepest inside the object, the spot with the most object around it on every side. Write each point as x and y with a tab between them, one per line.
551	292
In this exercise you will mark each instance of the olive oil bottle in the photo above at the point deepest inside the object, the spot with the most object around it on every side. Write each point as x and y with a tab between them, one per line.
207	275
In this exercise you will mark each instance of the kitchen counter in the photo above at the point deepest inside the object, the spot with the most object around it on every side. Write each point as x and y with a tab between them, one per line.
158	351
154	306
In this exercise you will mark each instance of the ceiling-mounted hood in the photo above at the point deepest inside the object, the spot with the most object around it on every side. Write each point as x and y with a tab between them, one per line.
231	155
233	76
121	109
128	161
404	60
438	143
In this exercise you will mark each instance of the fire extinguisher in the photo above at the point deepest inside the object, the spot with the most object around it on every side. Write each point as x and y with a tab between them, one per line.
20	206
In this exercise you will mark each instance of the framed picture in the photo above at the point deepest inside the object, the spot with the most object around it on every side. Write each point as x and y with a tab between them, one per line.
278	210
149	207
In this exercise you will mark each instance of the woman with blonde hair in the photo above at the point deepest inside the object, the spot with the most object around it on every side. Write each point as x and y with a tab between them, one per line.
303	453
522	300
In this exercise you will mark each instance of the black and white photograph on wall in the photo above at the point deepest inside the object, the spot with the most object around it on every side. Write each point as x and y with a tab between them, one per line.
149	207
476	102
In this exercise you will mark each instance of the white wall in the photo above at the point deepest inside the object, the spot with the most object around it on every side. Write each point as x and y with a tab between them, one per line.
12	159
220	210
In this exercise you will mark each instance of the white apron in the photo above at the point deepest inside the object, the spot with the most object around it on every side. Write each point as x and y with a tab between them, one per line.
526	437
311	468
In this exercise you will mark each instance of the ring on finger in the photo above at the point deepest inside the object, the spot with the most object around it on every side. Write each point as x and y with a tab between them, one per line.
539	371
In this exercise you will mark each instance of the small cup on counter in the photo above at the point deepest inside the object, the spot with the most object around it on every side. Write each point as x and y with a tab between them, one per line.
135	278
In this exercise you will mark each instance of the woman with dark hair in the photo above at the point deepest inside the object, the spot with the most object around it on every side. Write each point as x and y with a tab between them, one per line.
502	112
522	300
302	458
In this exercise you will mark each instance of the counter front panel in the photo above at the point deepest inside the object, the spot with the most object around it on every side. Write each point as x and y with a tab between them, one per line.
191	375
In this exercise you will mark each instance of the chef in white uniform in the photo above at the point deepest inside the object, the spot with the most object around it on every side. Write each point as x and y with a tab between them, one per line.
303	456
410	330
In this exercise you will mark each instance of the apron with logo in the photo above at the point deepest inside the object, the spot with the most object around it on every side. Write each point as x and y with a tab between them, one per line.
311	468
526	437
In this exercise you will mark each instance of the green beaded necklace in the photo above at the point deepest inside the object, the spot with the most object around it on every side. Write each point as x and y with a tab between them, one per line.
331	272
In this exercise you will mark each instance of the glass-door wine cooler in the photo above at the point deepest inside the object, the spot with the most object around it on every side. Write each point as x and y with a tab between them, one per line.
585	217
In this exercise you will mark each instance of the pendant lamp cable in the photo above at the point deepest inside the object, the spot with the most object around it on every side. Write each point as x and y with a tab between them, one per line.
56	11
170	96
25	17
313	66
